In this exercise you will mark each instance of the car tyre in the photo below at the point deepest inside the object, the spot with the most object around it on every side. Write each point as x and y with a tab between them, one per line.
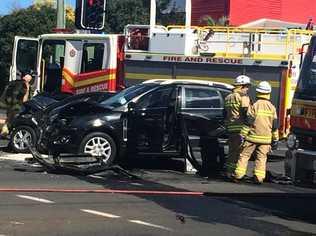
19	138
99	144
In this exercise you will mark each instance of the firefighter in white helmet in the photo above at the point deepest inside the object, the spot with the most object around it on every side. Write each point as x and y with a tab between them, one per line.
236	106
263	123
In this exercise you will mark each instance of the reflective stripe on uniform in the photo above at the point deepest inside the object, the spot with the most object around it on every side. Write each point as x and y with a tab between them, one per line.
234	128
243	129
240	172
232	104
259	139
259	173
230	167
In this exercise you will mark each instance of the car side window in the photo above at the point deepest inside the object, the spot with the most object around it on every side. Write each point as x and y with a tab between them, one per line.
201	98
155	99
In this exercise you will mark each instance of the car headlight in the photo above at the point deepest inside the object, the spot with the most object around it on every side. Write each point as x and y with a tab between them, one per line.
292	141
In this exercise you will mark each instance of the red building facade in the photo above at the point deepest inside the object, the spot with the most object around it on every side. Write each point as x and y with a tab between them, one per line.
244	11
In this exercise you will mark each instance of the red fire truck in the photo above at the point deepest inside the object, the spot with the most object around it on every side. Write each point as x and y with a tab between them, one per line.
301	157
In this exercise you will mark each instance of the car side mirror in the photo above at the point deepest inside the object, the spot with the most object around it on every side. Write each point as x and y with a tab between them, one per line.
131	106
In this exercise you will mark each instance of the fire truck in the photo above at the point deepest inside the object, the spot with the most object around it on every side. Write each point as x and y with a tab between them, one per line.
301	156
82	62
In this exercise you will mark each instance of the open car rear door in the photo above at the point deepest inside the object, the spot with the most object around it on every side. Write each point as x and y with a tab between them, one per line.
24	56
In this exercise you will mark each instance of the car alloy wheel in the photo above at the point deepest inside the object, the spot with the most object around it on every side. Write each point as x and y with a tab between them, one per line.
21	137
101	145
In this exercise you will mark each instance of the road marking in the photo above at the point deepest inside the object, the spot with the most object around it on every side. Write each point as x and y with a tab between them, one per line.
35	199
149	224
16	223
99	213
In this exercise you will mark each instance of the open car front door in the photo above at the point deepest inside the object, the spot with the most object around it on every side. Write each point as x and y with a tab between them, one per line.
202	119
24	56
152	123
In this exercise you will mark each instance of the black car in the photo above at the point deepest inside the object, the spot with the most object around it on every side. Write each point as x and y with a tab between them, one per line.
145	119
25	126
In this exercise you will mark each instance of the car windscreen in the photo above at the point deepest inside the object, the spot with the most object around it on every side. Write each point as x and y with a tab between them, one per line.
127	95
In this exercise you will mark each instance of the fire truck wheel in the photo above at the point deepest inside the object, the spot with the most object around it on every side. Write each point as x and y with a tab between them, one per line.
99	144
20	137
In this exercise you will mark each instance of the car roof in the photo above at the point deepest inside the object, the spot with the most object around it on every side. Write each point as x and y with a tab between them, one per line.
191	82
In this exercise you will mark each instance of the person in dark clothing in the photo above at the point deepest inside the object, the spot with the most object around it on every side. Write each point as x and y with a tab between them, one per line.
15	94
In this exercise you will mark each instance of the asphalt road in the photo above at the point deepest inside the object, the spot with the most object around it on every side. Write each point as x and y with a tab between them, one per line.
151	201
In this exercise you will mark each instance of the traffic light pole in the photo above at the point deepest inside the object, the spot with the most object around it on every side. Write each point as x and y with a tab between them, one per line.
59	52
61	14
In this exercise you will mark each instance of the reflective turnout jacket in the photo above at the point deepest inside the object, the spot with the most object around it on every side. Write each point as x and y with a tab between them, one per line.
236	106
262	118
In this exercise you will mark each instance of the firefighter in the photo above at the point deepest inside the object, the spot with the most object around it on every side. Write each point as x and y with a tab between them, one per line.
236	107
16	93
263	123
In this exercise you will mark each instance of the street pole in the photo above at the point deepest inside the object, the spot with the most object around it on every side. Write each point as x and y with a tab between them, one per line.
59	50
188	15
61	14
152	14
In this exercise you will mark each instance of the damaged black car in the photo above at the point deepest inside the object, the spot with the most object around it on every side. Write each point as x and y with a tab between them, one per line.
154	118
25	127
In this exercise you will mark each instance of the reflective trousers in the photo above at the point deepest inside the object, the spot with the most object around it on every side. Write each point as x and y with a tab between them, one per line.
234	145
260	152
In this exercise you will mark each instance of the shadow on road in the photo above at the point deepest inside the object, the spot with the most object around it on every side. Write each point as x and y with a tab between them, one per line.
273	213
251	211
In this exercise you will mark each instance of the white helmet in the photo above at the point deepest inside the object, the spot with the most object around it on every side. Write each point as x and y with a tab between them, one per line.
242	80
264	87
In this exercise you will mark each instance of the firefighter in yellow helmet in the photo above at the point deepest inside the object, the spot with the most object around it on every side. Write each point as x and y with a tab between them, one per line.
262	119
236	106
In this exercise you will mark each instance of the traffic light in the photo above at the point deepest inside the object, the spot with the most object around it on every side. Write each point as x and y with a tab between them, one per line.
90	14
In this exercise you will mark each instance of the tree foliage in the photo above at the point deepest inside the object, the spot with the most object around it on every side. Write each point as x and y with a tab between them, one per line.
123	12
209	21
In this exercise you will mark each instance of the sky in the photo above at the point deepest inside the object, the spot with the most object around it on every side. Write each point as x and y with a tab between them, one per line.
6	5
